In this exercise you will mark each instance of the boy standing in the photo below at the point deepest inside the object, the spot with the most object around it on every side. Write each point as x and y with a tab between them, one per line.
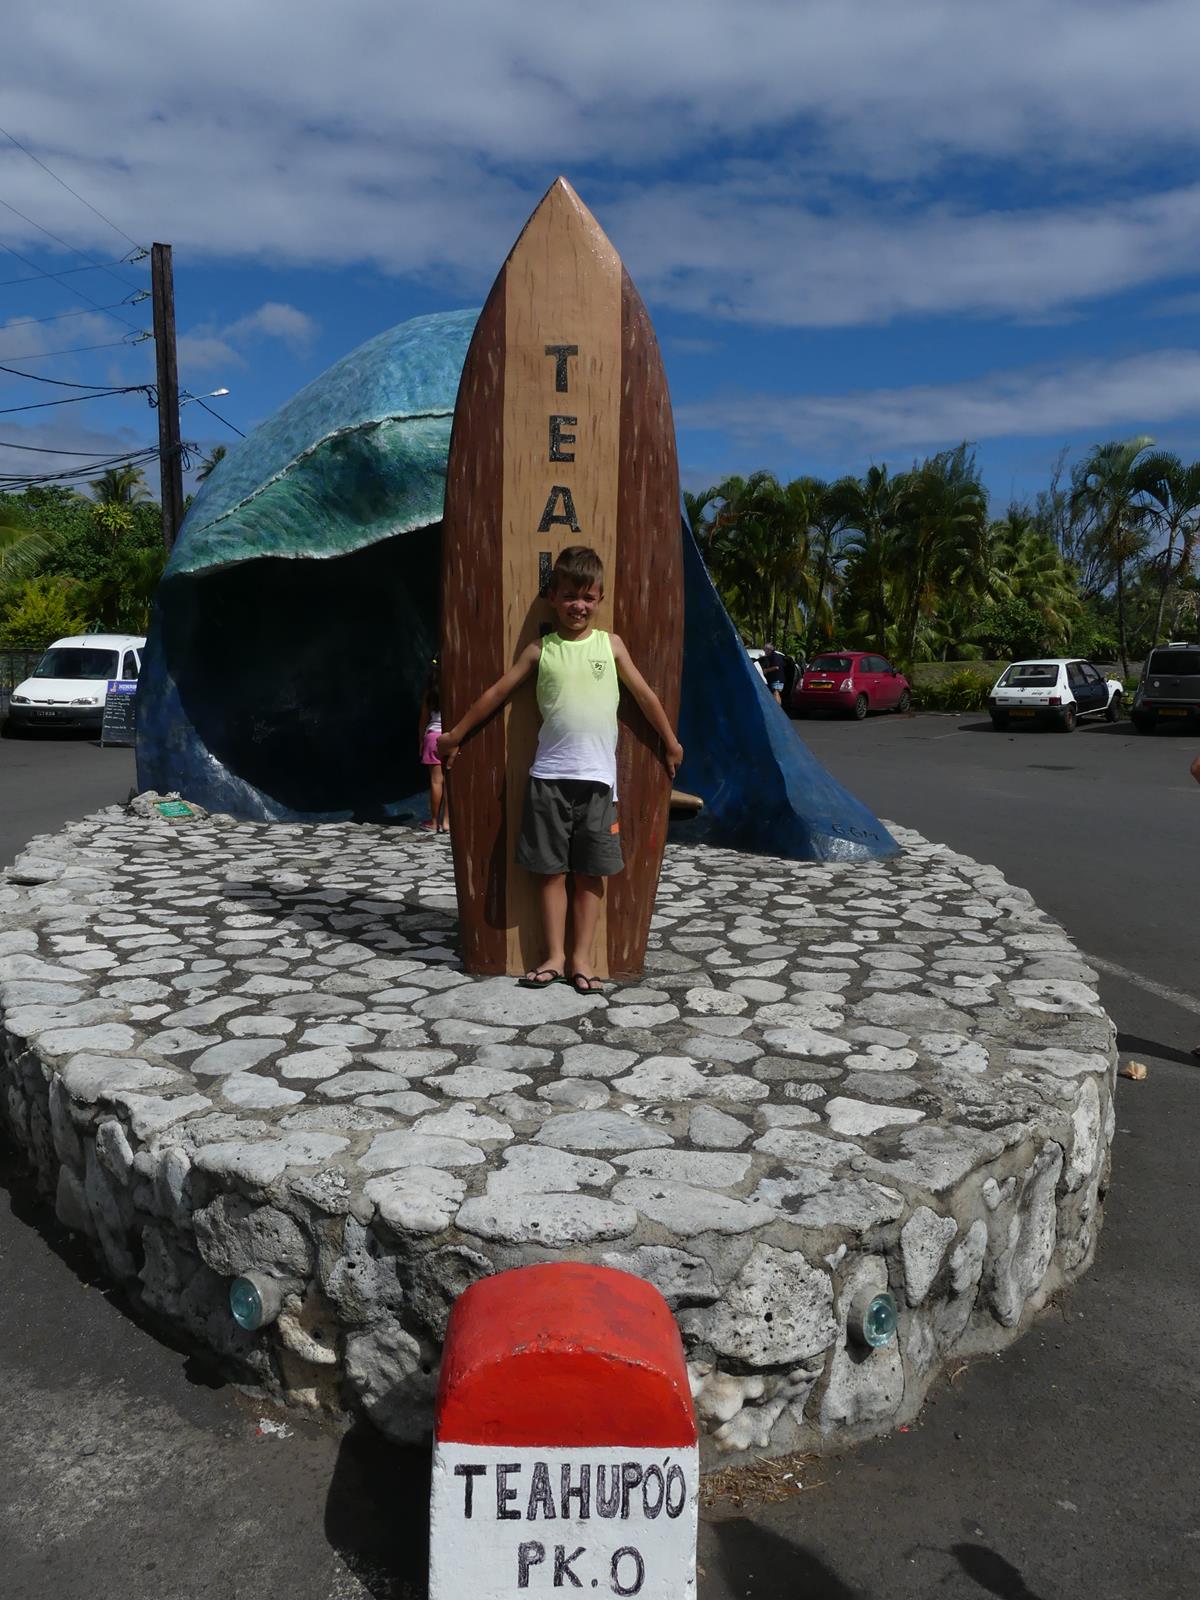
569	824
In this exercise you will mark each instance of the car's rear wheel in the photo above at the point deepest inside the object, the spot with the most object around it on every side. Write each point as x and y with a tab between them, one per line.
904	702
1143	724
1112	712
1000	721
1066	722
860	708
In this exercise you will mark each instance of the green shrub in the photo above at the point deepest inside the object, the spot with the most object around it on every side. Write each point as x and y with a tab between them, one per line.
961	691
39	611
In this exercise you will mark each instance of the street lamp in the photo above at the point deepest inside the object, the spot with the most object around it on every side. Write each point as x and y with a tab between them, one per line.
213	394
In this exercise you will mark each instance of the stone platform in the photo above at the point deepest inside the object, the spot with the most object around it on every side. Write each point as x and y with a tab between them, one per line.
232	1047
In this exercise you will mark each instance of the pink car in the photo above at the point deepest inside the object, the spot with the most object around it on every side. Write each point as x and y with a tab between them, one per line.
852	682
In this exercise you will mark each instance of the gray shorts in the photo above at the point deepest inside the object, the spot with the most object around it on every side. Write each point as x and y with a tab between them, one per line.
569	825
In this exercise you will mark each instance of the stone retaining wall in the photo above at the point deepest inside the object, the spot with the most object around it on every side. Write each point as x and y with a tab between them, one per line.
231	1047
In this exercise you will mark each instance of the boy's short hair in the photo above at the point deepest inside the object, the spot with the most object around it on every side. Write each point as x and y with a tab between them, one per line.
578	564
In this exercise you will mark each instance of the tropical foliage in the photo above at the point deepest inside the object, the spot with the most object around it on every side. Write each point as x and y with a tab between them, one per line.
39	610
71	563
911	564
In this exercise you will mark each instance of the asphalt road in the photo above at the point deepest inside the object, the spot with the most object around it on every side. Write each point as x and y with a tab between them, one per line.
46	782
1060	1471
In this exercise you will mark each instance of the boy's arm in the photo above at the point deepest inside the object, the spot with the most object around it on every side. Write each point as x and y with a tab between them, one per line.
489	702
650	704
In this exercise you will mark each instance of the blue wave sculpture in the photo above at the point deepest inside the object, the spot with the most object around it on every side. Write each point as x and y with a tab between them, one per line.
297	617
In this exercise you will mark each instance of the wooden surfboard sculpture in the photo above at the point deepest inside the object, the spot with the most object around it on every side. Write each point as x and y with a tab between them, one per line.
562	435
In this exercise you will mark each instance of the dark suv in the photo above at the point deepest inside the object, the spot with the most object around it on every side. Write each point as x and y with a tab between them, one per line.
1169	691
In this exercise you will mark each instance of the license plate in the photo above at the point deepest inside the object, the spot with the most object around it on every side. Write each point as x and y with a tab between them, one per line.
1174	711
49	715
1022	711
820	684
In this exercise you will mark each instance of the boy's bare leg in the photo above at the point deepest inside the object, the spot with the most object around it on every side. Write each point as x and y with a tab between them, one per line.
554	922
588	898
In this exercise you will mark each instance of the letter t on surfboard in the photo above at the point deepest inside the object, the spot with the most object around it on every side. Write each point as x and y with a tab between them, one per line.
565	1450
562	435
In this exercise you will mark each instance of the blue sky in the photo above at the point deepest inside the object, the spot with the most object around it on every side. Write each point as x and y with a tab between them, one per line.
864	231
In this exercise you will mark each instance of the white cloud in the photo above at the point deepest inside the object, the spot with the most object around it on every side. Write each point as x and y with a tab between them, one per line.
206	352
769	260
275	321
1101	398
207	348
828	154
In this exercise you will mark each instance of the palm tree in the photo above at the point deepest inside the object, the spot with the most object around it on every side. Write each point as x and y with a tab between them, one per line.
218	454
940	547
825	535
1175	489
869	511
1024	563
23	547
758	552
1113	484
120	486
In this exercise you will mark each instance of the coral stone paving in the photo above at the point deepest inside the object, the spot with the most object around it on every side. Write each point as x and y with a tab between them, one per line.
233	1047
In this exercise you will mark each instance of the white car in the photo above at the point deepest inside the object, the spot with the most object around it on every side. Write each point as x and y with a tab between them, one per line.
1053	689
69	683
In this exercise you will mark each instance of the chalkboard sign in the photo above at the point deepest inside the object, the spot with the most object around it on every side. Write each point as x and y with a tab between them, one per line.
120	712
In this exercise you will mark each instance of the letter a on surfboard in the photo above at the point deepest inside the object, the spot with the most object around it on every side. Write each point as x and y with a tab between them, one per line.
562	435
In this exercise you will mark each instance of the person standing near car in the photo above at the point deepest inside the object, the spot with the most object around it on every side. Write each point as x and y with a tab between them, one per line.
774	667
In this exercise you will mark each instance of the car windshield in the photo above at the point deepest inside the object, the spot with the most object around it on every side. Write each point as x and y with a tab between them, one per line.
1030	675
77	664
831	664
1174	663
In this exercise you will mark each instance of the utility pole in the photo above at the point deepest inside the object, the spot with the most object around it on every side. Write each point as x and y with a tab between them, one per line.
170	456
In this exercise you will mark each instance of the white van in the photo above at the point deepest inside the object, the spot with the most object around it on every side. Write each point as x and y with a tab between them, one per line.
70	681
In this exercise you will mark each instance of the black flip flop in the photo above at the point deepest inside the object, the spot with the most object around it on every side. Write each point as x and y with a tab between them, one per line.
539	980
578	978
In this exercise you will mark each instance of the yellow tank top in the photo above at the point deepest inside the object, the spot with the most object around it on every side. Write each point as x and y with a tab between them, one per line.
577	695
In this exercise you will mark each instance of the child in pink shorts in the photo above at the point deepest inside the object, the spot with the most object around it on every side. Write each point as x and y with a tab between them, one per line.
429	734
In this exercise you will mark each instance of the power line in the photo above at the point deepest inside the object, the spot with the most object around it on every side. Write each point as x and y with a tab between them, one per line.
95	304
76	350
66	383
48	450
92	266
8	206
217	414
145	453
74	399
17	483
94	209
61	316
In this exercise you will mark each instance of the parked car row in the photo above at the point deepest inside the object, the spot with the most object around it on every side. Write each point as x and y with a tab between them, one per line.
1061	691
1054	691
